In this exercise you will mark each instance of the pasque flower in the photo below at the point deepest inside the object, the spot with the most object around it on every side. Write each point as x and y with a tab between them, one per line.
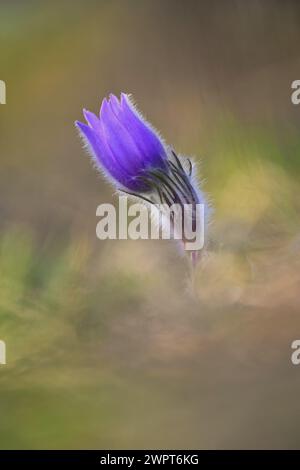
123	144
135	159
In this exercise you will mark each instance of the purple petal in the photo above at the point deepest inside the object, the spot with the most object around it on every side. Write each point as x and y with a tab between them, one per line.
102	154
115	104
92	120
147	141
120	141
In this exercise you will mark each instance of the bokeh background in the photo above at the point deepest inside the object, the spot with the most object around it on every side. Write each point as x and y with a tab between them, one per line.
106	345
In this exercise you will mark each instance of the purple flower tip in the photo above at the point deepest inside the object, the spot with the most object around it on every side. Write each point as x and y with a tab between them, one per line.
123	144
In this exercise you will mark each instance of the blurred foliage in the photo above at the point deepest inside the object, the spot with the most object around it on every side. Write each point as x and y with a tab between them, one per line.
106	345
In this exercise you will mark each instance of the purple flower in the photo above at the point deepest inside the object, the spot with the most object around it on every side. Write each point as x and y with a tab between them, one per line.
123	144
137	161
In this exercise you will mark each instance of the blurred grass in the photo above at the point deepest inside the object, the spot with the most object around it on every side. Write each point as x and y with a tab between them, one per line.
106	347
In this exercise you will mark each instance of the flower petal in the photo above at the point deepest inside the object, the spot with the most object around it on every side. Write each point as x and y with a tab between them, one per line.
115	104
120	141
92	120
102	155
146	139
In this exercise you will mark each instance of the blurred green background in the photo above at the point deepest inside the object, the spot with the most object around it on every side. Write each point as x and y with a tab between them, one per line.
106	346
